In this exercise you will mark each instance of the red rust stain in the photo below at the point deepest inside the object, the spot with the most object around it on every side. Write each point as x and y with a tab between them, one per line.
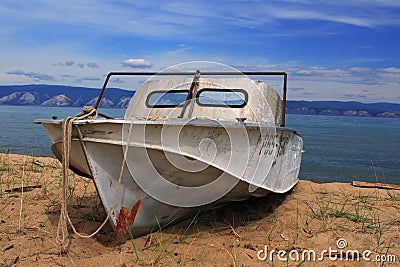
125	219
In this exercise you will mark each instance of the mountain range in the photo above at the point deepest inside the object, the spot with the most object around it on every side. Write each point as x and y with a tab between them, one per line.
339	108
63	96
68	96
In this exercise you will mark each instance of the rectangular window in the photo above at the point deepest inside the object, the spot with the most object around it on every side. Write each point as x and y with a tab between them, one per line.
166	99
213	97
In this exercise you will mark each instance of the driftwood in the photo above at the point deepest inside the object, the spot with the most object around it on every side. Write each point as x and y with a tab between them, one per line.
39	163
25	188
376	185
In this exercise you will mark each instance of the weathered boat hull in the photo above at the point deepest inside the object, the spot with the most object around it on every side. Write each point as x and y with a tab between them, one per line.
175	167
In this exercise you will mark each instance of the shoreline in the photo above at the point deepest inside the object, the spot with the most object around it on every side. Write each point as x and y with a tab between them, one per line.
295	111
313	217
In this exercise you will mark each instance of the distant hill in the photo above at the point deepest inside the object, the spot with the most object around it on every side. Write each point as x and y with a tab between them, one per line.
58	95
338	108
68	96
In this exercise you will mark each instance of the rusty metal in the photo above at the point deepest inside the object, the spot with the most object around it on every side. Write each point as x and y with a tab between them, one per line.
248	73
190	93
103	89
283	118
126	219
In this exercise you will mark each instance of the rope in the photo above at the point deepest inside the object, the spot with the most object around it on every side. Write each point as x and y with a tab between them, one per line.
62	230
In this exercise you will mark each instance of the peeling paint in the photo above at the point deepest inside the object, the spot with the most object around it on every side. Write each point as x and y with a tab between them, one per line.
126	219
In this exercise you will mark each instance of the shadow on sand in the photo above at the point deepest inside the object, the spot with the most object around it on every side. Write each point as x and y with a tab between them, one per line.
89	214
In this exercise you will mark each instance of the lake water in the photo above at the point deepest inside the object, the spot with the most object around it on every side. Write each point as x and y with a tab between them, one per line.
337	148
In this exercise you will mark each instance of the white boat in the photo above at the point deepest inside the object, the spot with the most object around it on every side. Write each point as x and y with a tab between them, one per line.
186	142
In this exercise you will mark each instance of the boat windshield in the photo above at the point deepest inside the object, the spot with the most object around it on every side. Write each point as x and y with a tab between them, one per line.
213	97
166	99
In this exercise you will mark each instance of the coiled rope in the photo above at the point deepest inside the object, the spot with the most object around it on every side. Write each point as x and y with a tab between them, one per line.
62	229
62	238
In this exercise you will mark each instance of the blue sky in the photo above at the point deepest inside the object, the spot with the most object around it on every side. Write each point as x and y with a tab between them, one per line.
332	50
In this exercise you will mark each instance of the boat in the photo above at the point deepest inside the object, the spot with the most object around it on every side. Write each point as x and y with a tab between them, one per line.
189	140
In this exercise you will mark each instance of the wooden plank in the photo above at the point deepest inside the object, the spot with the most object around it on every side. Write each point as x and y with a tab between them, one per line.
376	185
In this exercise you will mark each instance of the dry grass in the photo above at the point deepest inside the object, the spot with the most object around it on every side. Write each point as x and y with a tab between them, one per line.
311	217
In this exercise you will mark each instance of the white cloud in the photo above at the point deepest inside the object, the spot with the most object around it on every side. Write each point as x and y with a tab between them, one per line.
93	65
182	31
321	83
33	75
85	79
137	63
71	63
160	18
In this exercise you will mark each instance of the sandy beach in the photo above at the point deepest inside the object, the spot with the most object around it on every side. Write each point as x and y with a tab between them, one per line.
333	224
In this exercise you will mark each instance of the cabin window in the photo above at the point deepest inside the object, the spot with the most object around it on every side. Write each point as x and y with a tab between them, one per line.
213	97
166	99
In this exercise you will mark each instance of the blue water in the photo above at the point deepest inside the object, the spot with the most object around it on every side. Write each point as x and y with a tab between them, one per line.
349	148
337	148
19	134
